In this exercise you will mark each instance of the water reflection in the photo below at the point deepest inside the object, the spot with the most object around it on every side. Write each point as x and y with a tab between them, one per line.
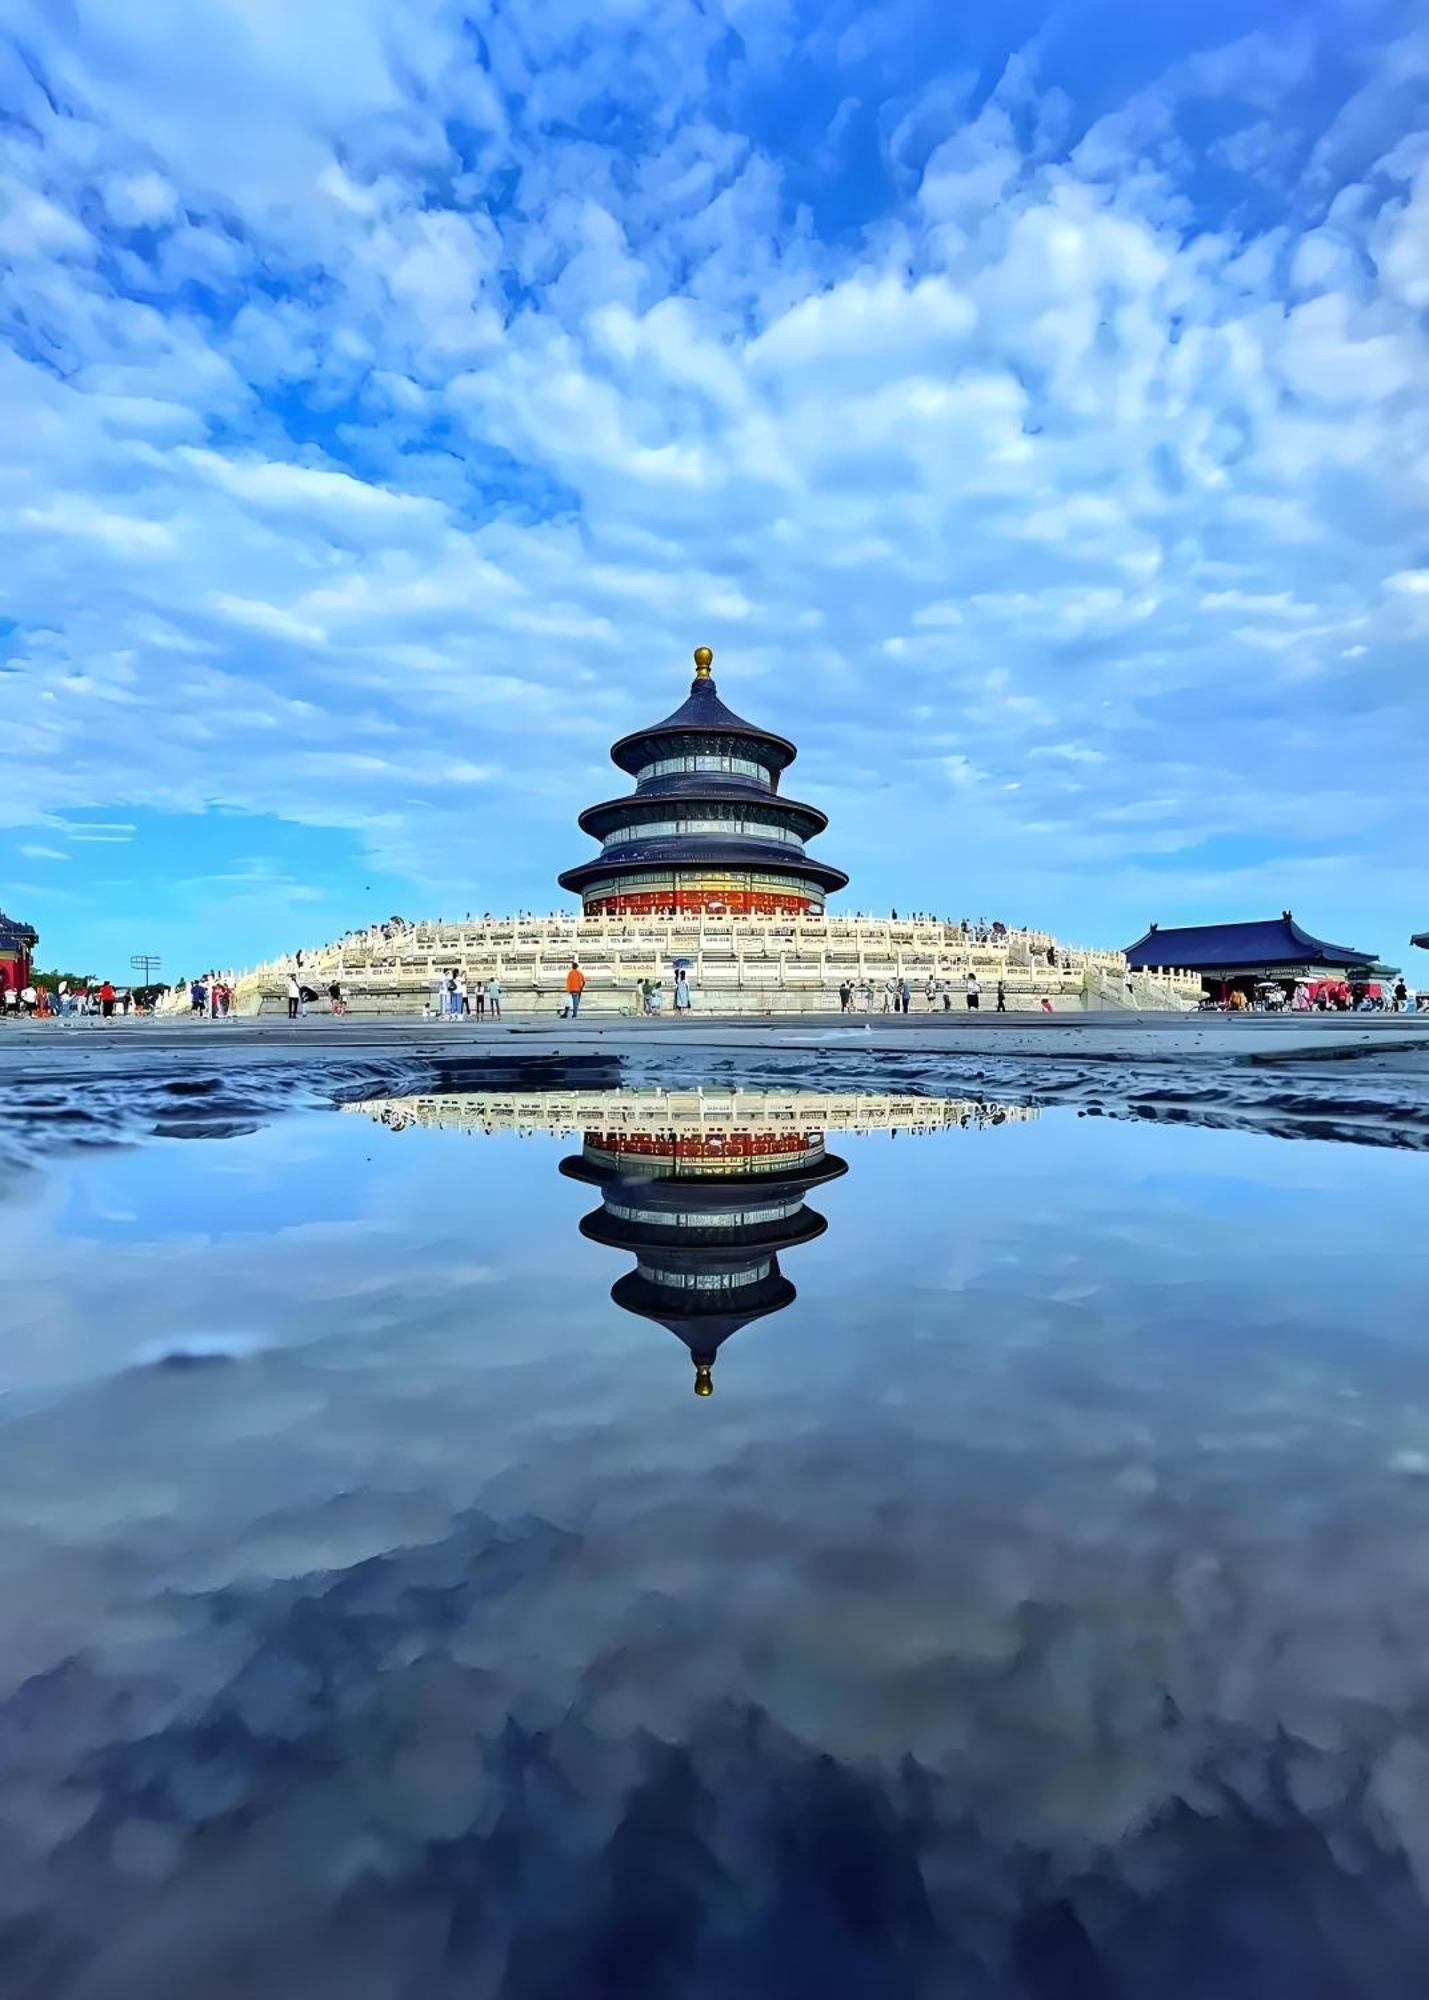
1038	1612
703	1188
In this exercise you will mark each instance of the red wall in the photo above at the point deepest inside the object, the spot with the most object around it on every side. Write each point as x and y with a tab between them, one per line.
728	902
14	971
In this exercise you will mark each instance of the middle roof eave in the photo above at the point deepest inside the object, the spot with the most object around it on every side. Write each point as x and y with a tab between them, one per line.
636	806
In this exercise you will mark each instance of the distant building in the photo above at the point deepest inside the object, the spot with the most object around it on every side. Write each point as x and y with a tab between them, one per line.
705	828
1240	954
17	947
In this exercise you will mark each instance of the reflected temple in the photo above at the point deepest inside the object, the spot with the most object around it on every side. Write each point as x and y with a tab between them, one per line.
704	1189
705	1212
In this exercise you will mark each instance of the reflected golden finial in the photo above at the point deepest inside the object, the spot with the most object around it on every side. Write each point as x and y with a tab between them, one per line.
704	1380
704	660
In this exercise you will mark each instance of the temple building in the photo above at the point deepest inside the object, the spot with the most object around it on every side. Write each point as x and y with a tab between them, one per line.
705	1214
705	829
1276	949
17	946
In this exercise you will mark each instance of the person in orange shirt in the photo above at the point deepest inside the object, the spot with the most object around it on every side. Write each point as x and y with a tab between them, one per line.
575	986
106	1000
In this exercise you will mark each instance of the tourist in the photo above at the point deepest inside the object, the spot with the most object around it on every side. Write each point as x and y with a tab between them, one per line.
1401	995
335	999
493	998
295	996
1047	1007
106	1000
1001	1007
905	994
12	1003
974	992
845	997
198	998
453	997
463	999
1300	999
890	995
682	990
575	986
481	999
931	990
947	998
29	998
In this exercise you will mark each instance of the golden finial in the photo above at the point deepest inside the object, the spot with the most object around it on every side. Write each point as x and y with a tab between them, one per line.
704	660
704	1380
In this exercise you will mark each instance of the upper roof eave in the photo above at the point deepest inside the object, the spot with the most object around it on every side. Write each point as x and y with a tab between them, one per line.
703	713
1248	946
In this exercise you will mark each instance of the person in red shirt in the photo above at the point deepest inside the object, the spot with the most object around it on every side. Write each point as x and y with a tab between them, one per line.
106	1001
575	986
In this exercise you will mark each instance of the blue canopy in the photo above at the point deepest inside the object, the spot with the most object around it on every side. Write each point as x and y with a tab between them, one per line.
1244	947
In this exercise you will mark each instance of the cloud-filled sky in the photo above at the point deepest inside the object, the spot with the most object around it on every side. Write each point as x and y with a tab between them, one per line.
1030	405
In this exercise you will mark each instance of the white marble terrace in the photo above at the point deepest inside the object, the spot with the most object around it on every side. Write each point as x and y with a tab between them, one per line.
744	965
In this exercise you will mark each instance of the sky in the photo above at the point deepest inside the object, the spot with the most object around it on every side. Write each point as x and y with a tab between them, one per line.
1028	404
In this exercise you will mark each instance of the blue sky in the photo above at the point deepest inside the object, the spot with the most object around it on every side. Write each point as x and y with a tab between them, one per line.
1027	403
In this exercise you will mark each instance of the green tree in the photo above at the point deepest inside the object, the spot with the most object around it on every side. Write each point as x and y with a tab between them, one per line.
54	980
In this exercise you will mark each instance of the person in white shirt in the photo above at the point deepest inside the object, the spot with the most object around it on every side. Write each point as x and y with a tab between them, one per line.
974	993
295	996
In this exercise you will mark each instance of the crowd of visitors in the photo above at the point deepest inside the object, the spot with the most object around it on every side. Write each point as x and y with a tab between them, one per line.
452	996
67	1002
211	997
1316	996
856	996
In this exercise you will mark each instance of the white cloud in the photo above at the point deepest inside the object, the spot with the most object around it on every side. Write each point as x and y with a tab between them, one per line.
138	200
306	490
72	514
425	429
258	616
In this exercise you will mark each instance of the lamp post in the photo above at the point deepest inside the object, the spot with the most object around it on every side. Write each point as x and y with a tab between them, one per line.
147	964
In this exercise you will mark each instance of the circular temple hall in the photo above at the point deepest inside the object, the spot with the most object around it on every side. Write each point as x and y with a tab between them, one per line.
705	828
